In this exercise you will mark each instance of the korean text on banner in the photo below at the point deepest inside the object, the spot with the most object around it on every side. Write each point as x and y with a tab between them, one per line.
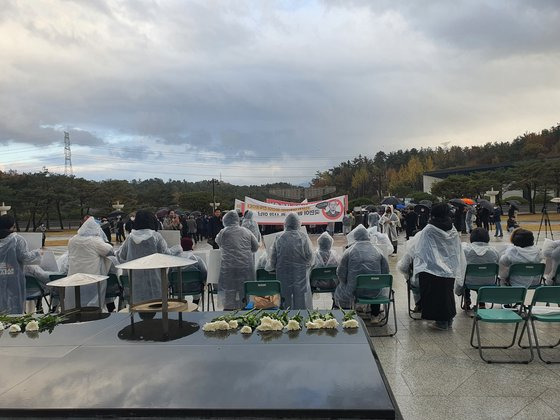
315	213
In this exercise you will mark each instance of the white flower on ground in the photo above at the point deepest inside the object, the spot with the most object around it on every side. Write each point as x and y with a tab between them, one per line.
246	329
32	326
330	323
351	323
233	324
14	329
293	325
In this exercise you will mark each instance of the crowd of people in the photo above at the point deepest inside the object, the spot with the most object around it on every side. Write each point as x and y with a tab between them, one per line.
434	260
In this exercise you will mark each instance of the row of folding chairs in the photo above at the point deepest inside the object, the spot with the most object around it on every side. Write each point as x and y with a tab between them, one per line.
475	272
519	314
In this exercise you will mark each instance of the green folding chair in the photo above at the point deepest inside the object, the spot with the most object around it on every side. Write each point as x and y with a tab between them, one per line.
53	291
114	290
35	292
262	288
211	289
474	275
543	294
193	284
262	274
501	295
530	271
323	280
367	283
125	283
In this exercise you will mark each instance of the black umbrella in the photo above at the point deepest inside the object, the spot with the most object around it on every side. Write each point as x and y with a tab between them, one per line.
419	208
514	203
426	203
371	207
196	213
485	204
116	213
392	201
457	202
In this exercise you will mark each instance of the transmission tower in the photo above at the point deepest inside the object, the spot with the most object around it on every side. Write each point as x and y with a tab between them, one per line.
67	155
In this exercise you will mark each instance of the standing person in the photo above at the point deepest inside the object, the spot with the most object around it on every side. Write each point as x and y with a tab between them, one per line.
200	228
106	228
498	221
214	227
291	257
144	240
129	223
120	229
469	219
13	255
172	222
411	222
87	254
360	258
373	220
238	245
191	228
43	230
458	218
389	222
423	218
249	223
438	261
347	222
485	218
330	228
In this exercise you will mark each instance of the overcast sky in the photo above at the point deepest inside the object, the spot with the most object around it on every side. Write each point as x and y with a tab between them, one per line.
265	91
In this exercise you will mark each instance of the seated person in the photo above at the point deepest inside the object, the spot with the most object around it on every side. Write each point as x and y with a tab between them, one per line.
325	256
551	252
523	251
200	265
477	252
360	258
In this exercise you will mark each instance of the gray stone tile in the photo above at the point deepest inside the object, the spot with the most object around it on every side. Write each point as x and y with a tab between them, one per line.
499	383
537	409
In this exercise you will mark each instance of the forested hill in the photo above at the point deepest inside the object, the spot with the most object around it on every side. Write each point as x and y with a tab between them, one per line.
400	172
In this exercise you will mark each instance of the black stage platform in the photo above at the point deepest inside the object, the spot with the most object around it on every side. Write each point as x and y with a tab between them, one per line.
101	368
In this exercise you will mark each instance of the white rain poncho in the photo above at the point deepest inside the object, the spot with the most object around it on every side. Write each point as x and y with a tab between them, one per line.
379	240
141	243
199	266
13	255
477	253
238	245
551	252
390	221
435	251
518	255
291	257
325	256
249	223
361	258
87	253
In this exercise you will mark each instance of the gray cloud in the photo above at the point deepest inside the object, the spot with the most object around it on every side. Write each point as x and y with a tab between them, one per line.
229	83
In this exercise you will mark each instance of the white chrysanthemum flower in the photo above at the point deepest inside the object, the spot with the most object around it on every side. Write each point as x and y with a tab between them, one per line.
209	327
310	325
351	323
233	324
320	323
32	326
15	328
222	325
293	325
330	323
269	324
246	329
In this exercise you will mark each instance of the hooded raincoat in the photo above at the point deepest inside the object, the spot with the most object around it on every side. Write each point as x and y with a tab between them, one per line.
477	253
325	256
13	255
249	223
291	257
238	245
373	220
518	255
362	257
87	252
390	221
141	243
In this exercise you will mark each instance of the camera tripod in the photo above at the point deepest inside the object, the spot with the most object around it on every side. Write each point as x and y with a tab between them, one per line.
547	227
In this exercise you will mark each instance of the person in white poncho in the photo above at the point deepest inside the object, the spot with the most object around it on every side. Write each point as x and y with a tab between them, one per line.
551	251
523	251
438	262
390	221
477	252
325	256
